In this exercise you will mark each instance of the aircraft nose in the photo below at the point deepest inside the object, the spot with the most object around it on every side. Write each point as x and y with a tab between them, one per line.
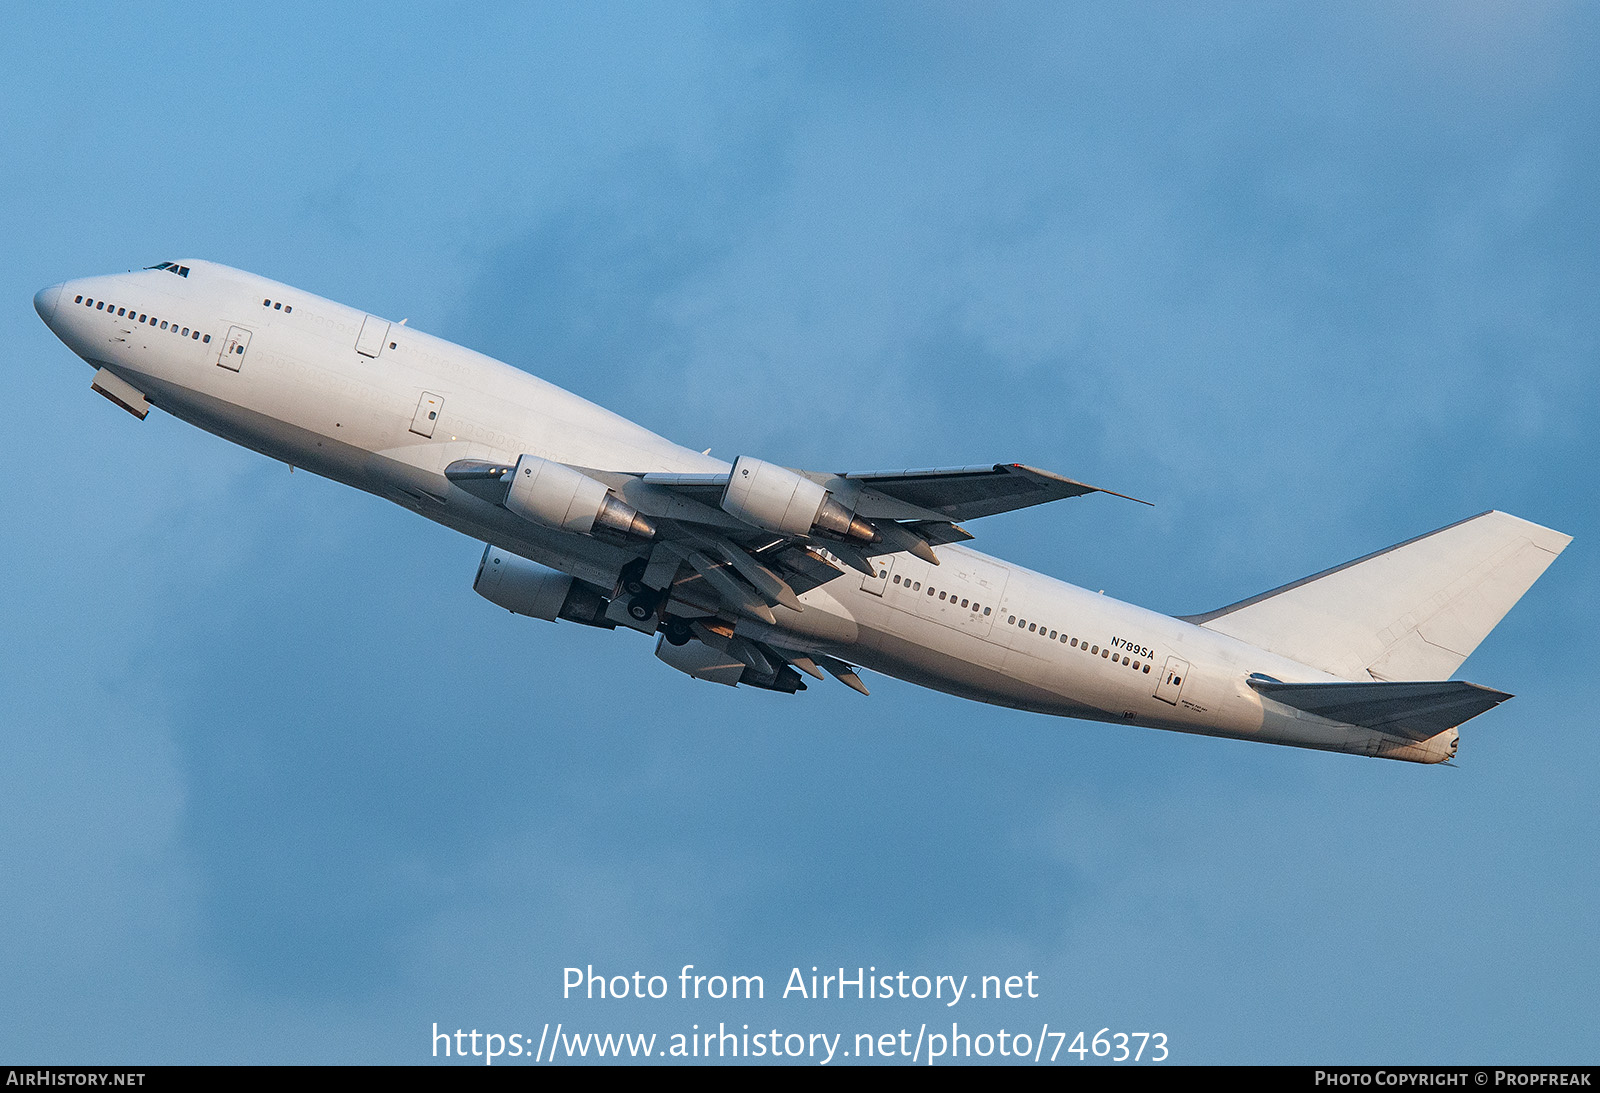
44	302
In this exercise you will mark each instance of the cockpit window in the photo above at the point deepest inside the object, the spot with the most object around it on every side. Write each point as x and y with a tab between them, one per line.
172	267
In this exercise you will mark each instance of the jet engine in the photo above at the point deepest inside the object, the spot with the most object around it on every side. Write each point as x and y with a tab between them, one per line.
555	495
781	501
528	588
702	661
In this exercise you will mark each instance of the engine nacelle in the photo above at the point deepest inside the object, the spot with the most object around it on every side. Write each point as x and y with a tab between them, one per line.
528	588
555	495
777	499
701	661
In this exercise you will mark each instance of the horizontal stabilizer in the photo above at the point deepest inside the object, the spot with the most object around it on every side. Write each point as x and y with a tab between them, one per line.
1415	711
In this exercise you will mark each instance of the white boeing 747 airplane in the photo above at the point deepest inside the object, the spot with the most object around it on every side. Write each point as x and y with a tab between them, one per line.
754	573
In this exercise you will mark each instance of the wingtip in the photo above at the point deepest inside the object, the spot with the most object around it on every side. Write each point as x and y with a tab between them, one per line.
1127	497
1087	487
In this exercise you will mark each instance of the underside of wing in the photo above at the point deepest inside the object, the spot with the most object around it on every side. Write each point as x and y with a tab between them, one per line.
756	538
966	493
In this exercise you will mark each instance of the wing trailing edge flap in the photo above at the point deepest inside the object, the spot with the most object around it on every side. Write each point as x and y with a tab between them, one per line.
768	661
813	664
743	660
773	589
1413	711
737	596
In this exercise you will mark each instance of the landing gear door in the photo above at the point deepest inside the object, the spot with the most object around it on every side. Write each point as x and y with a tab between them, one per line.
1170	686
427	415
884	567
233	347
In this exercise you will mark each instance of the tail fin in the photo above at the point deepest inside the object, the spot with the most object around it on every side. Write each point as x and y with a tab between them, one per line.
1411	612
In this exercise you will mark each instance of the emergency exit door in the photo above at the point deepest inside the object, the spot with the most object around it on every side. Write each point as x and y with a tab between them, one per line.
427	415
374	332
881	567
1170	684
233	348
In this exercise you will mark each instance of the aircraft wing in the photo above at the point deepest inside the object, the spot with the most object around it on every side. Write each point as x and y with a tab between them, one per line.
760	535
966	493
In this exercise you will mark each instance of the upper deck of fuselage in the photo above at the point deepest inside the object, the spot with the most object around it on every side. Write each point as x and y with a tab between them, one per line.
324	334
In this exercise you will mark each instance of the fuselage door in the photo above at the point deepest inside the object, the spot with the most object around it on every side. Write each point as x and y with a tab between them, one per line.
233	347
1170	685
427	414
876	585
374	331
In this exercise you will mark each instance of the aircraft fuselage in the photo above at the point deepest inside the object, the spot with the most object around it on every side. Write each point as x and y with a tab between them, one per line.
386	408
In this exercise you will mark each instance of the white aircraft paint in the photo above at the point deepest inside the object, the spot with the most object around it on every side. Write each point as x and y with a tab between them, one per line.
1353	660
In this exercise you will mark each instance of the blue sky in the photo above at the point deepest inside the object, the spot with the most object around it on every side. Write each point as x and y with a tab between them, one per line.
278	787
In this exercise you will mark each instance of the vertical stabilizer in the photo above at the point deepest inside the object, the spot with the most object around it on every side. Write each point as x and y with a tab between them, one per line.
1412	612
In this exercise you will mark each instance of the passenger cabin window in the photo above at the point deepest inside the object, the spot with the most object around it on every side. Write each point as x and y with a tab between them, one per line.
139	317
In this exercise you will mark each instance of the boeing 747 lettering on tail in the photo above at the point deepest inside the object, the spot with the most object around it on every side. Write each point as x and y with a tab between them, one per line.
754	573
